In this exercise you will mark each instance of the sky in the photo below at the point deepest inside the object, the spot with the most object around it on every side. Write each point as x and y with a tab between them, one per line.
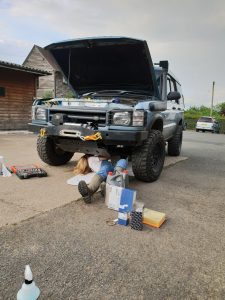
190	34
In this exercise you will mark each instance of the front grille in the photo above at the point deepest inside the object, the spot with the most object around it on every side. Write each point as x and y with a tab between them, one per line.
97	118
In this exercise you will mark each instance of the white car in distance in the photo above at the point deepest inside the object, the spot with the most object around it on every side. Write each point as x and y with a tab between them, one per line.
207	124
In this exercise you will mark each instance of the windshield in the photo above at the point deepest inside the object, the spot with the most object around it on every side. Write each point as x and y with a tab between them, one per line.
158	76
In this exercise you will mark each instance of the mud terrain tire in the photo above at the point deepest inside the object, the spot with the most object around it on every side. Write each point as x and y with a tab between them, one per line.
148	160
174	145
50	153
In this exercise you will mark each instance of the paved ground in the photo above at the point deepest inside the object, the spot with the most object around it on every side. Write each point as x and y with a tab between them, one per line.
75	255
23	199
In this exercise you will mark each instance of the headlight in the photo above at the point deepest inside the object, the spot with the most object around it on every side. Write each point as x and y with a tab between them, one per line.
40	114
138	118
122	118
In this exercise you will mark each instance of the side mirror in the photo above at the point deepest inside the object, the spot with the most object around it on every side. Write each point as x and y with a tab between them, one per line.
174	96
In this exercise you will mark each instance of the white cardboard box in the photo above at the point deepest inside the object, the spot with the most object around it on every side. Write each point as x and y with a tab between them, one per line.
113	196
116	196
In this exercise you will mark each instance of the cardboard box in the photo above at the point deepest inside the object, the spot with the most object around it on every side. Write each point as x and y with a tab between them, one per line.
123	219
116	196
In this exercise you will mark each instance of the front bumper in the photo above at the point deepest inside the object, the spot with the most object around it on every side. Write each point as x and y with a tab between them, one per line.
204	128
109	136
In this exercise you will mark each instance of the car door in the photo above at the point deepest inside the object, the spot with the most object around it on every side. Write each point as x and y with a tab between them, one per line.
170	124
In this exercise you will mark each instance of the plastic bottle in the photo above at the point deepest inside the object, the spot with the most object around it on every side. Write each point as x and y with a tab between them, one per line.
109	177
115	179
126	178
28	291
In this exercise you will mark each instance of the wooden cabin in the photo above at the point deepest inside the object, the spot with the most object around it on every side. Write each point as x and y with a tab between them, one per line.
17	89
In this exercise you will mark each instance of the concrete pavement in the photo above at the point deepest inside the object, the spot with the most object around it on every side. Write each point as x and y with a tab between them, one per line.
74	254
23	199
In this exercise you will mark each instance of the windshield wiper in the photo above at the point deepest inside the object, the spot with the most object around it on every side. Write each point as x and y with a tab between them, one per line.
106	92
116	93
135	93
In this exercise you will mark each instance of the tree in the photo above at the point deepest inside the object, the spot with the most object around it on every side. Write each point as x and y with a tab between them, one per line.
220	108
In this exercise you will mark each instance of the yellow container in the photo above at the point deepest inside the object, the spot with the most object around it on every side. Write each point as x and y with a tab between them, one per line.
153	218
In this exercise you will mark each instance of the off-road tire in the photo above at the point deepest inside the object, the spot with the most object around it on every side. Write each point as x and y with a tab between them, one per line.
148	160
174	145
50	153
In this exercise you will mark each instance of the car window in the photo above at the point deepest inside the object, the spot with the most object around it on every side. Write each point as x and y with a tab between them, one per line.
168	86
159	80
207	120
171	85
179	88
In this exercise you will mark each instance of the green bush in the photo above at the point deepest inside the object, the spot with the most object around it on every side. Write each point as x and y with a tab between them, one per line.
192	115
191	122
48	94
197	112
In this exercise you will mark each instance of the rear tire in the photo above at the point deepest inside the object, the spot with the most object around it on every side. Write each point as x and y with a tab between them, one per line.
174	145
148	160
50	153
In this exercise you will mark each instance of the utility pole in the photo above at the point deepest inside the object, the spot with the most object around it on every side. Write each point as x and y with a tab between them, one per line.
212	98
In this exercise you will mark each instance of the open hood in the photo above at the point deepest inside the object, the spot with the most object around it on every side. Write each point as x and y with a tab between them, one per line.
107	63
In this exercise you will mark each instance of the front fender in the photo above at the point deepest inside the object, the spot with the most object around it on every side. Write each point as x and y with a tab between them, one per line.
154	121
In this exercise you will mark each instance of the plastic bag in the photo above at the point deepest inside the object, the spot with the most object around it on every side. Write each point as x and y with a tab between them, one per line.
3	170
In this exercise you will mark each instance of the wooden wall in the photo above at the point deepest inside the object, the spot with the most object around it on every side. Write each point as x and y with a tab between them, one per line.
15	107
62	89
50	85
46	84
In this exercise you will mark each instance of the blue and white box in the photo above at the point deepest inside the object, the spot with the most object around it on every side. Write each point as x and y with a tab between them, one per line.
123	219
116	196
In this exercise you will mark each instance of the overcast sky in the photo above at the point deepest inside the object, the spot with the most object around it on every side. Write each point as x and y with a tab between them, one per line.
188	33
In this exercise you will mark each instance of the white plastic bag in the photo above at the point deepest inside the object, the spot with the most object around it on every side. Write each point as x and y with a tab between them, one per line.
3	170
76	179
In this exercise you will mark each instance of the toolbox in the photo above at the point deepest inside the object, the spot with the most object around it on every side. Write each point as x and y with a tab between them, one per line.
28	171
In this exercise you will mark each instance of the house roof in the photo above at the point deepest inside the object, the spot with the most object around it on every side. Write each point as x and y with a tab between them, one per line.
45	54
17	67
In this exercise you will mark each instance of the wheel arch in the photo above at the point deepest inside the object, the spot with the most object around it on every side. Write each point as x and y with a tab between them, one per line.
180	122
157	124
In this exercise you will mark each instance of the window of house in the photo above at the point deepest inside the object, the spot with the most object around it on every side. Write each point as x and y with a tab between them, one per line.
2	92
37	83
64	80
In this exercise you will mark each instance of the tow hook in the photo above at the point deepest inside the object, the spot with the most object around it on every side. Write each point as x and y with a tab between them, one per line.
43	132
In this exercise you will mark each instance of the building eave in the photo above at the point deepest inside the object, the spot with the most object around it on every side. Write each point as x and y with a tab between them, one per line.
17	67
